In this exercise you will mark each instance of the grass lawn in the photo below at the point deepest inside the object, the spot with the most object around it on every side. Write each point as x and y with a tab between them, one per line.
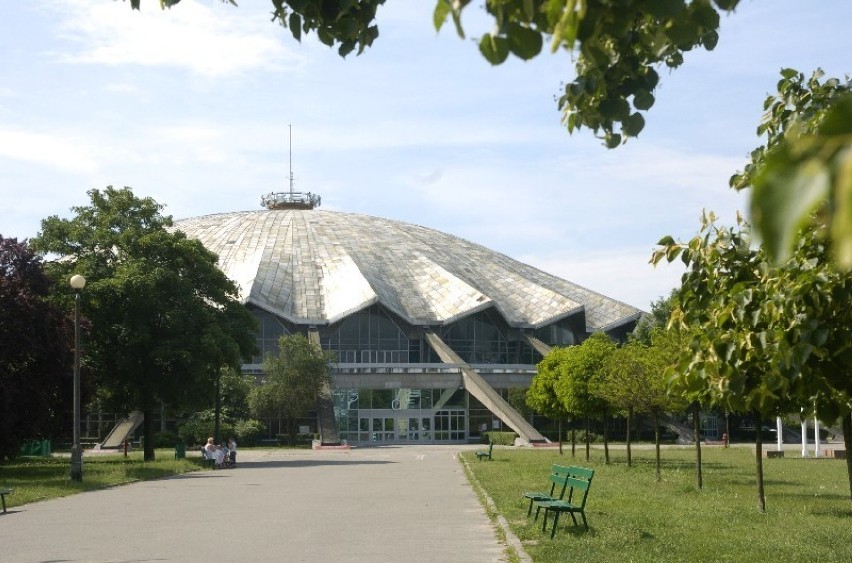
38	478
632	517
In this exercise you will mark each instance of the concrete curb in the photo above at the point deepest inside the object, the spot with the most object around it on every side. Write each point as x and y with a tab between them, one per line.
511	539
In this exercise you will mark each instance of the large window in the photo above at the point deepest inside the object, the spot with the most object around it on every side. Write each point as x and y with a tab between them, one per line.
565	332
481	339
371	336
270	330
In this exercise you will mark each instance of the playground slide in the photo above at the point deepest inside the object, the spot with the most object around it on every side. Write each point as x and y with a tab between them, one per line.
122	431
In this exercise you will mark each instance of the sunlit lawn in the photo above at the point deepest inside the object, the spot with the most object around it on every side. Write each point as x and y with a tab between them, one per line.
37	478
634	518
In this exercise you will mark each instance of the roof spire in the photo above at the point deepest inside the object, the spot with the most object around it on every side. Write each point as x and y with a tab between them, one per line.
291	199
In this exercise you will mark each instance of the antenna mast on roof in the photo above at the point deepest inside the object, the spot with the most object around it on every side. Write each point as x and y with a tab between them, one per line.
290	126
293	199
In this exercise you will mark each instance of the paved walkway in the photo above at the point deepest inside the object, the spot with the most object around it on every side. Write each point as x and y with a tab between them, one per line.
406	503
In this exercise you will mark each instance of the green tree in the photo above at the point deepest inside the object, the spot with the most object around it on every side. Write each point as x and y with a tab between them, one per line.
635	381
35	350
578	371
541	395
668	345
818	355
624	372
734	302
293	380
658	317
230	402
164	319
802	175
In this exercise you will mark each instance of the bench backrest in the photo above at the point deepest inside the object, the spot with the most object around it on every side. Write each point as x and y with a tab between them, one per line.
578	485
578	479
558	476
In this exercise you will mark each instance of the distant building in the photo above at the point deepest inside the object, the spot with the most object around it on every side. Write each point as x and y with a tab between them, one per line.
430	330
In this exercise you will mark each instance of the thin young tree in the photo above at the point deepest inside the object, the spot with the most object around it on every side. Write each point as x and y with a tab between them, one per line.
293	380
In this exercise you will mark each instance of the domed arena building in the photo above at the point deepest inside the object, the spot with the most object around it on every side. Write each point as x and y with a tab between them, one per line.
430	330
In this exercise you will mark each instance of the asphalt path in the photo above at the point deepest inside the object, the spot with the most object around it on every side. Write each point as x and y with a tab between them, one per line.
396	503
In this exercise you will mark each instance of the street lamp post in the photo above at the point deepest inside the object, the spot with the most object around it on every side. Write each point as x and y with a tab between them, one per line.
78	282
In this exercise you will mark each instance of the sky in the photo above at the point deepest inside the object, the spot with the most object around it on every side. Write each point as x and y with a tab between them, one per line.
195	107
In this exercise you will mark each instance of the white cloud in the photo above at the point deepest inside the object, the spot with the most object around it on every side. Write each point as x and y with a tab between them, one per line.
624	274
213	40
55	149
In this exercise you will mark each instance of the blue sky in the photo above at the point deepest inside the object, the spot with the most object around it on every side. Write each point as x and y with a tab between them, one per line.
191	106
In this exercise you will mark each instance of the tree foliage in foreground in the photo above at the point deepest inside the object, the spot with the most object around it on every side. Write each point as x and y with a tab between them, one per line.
766	339
35	350
802	176
164	319
293	381
616	49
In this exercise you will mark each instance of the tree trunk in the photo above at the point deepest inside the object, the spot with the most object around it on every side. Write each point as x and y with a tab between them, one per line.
292	429
560	435
148	434
627	437
588	435
847	440
696	425
758	452
573	436
217	409
657	442
606	435
727	428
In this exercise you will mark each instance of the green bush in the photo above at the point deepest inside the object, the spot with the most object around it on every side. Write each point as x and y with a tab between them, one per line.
249	432
166	439
499	438
197	429
581	437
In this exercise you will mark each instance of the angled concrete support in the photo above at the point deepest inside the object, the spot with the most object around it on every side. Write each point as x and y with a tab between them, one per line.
325	405
537	344
479	388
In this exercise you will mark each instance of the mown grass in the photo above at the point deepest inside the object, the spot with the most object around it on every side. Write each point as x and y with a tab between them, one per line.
36	478
632	517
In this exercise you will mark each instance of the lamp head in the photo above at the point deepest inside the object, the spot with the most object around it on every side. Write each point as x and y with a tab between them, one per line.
78	282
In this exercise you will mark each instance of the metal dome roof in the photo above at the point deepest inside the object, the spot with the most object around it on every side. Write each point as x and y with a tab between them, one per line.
316	267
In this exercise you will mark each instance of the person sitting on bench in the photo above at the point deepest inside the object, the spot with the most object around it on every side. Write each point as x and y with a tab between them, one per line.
217	453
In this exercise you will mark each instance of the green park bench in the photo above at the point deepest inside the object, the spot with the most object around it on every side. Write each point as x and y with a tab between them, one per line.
578	485
3	493
557	478
482	454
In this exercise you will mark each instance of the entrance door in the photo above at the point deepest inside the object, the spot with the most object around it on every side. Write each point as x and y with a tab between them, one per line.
450	425
382	429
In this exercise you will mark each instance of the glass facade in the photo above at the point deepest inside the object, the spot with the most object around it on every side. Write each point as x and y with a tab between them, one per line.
401	415
565	332
269	329
373	338
482	338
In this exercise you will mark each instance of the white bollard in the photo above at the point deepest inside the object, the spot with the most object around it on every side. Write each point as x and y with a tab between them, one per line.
816	437
778	430
804	438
